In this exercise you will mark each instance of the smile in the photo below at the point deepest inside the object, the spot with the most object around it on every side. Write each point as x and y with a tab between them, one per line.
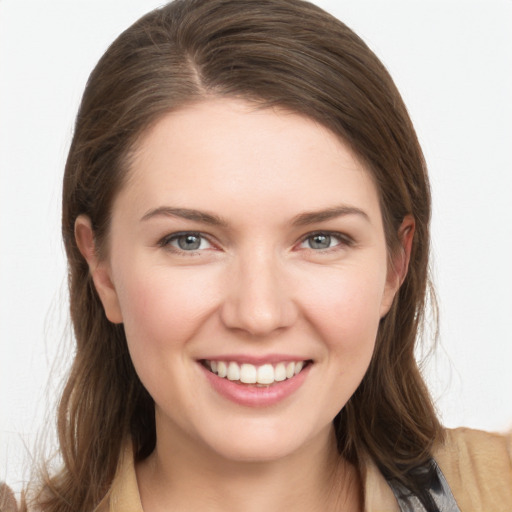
262	383
246	373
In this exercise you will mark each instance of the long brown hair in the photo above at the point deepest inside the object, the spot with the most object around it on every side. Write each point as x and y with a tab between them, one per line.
286	53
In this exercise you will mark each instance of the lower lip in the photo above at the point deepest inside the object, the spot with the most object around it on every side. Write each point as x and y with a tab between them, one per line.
253	396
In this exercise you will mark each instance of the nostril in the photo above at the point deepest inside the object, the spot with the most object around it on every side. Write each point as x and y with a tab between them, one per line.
257	320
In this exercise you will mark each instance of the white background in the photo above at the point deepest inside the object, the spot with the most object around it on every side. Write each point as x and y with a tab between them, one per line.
452	61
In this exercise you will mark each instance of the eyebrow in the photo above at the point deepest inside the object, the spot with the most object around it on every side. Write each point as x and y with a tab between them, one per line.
304	219
185	213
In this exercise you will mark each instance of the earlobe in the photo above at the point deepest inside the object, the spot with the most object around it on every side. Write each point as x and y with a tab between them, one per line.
98	268
399	263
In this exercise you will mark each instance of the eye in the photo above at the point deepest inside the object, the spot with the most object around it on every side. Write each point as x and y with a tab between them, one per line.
187	242
323	241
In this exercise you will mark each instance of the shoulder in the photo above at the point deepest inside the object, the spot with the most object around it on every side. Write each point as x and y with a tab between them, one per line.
123	495
478	468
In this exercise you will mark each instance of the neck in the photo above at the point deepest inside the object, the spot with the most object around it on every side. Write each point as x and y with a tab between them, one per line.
184	476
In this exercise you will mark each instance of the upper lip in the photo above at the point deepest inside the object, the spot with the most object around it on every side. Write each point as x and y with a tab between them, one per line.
257	360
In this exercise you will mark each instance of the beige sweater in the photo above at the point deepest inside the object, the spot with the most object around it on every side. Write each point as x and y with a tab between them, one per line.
477	466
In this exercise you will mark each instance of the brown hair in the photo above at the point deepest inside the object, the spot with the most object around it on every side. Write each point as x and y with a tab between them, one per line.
286	53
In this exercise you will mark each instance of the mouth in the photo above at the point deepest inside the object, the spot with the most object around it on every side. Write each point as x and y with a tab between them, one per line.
264	375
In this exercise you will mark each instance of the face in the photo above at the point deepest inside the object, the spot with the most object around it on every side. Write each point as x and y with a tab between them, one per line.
247	261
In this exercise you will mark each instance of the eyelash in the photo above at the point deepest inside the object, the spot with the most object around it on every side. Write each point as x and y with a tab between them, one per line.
343	241
167	240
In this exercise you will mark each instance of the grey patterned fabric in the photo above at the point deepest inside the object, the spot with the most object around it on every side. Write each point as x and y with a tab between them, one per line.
437	498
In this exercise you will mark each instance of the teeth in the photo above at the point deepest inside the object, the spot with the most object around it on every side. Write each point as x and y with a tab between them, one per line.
233	371
265	374
249	374
280	372
222	369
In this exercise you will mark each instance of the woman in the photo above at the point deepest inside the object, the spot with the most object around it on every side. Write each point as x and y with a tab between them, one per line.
246	218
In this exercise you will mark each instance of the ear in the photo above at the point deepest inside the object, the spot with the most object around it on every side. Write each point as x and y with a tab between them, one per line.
399	263
98	268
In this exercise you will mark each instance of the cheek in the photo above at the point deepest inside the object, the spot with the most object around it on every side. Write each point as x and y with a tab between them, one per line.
162	311
162	308
344	308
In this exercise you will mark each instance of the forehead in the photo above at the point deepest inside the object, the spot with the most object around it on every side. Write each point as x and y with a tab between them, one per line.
225	152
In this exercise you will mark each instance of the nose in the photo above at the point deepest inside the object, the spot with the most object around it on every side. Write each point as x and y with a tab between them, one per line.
258	299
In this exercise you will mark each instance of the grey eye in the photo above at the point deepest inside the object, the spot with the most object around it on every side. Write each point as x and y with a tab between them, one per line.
319	241
189	242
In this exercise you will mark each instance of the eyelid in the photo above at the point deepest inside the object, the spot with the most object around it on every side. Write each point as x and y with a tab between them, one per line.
344	239
165	242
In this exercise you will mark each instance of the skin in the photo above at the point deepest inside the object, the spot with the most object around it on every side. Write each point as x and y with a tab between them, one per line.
254	287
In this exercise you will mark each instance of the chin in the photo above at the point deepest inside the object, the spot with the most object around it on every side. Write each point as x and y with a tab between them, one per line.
257	451
260	443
